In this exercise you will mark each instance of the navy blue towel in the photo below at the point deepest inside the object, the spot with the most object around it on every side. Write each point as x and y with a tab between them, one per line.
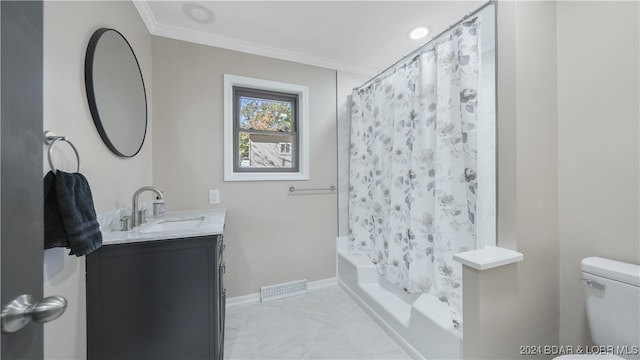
75	212
54	234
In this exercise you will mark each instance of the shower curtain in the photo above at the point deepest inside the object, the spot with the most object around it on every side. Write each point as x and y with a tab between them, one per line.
412	181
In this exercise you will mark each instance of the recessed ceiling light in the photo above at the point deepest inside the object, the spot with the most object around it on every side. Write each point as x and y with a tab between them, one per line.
198	13
419	32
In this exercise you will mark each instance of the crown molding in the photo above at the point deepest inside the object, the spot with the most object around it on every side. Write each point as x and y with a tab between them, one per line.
146	14
208	39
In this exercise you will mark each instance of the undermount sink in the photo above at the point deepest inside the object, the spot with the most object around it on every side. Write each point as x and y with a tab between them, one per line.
174	224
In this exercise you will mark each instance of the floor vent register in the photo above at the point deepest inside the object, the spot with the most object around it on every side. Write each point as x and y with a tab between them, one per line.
284	290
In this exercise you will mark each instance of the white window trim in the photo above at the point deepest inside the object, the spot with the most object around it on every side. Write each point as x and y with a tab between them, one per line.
303	130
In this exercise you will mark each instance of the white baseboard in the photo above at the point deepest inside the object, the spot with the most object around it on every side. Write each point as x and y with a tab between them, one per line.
319	284
255	297
244	299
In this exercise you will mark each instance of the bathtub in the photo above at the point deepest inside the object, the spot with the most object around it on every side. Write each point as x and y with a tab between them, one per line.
419	322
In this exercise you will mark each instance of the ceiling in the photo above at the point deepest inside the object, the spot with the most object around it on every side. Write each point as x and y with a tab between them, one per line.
362	37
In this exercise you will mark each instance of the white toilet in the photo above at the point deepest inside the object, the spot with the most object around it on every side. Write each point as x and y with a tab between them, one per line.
612	293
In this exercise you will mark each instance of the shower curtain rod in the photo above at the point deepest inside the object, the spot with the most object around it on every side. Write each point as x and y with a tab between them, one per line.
490	2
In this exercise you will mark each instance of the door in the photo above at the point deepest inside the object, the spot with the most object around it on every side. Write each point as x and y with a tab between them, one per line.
21	187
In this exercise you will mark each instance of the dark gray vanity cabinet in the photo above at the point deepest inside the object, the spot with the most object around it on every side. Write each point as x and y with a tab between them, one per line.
161	299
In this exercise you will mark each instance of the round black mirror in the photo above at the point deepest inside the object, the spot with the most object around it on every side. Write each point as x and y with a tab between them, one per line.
116	93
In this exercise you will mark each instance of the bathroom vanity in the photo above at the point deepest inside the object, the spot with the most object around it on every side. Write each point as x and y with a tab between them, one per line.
157	292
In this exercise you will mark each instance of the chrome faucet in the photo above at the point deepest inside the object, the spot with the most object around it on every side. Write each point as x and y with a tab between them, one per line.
136	219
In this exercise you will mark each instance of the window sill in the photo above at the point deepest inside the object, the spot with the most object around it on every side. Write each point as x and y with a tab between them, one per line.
253	176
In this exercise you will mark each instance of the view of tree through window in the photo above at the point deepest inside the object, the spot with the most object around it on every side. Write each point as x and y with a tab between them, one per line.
264	121
261	114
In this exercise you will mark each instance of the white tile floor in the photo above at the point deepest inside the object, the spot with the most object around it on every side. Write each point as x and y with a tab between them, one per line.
323	324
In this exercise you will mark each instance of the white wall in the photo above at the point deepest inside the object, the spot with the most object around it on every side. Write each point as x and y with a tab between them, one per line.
516	305
486	133
271	237
67	29
598	100
569	84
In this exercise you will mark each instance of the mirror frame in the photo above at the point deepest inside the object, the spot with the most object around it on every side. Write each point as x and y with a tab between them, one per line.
89	87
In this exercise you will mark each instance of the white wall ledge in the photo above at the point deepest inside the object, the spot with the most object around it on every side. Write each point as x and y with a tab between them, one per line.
488	257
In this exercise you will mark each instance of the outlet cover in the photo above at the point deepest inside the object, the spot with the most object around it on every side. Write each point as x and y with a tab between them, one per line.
214	196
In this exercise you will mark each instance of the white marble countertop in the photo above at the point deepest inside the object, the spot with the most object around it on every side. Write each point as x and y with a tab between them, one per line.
212	224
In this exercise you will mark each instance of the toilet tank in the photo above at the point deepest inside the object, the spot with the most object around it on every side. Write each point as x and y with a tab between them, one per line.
612	291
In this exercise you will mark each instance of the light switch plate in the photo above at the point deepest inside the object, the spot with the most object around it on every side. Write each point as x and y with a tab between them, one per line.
214	196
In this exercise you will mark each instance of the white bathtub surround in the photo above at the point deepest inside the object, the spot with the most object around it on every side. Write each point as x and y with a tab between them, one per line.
413	175
324	324
421	323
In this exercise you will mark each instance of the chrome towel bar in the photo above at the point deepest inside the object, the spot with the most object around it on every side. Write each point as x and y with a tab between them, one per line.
331	188
50	139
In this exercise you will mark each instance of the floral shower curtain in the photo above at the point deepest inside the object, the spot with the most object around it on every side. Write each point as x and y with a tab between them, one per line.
412	183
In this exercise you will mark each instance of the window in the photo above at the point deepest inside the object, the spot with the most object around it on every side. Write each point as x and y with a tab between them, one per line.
285	148
265	130
264	122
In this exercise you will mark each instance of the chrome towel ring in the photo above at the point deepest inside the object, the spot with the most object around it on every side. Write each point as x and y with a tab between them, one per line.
50	139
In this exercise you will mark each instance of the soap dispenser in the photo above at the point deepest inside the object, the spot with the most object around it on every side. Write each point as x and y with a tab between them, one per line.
158	207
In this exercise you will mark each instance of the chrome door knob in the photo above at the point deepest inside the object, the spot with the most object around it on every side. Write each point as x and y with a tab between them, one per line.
24	309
